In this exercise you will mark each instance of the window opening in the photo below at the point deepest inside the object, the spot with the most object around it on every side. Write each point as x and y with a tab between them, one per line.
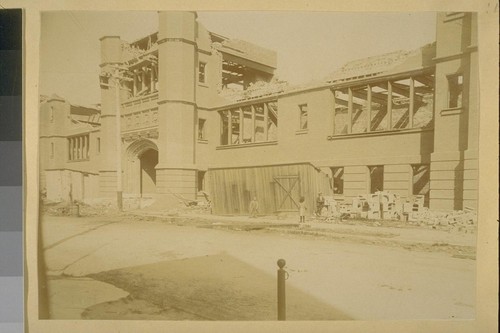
202	72
201	129
338	180
303	114
455	90
376	178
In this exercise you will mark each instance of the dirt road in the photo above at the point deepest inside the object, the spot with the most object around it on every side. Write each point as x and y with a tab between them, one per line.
158	270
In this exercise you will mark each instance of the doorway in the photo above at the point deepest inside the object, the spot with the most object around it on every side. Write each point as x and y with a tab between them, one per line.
148	161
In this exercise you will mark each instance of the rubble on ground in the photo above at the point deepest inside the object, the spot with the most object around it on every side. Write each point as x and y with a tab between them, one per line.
386	206
77	209
463	220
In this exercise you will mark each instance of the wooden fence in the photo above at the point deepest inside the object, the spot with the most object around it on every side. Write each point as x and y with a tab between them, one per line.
277	188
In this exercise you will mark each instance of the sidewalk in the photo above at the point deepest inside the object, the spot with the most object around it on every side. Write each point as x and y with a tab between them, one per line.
401	233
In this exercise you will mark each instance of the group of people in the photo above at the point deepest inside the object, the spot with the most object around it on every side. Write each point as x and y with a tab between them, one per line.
320	204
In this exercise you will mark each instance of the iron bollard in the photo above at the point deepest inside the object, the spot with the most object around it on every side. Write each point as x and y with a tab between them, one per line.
281	290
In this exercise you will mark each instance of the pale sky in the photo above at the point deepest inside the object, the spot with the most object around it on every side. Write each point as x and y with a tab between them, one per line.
310	45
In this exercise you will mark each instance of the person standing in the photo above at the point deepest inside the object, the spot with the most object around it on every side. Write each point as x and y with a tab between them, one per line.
302	210
320	203
254	207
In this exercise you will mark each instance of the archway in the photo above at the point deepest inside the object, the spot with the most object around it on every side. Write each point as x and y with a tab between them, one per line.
142	158
148	161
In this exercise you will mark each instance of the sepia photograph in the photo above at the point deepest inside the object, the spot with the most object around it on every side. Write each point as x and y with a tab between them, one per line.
249	166
178	164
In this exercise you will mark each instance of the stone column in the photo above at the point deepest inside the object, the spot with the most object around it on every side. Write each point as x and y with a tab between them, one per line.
177	111
110	153
454	160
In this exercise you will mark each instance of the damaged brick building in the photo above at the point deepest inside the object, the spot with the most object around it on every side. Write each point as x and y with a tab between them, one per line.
201	112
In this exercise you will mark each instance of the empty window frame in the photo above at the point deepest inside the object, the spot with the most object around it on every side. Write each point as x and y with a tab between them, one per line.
201	180
260	130
376	173
303	115
421	181
249	124
455	90
144	81
202	78
272	121
235	127
201	129
338	180
224	127
98	145
341	121
78	147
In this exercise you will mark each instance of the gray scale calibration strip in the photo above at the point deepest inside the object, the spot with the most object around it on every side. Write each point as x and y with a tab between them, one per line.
11	166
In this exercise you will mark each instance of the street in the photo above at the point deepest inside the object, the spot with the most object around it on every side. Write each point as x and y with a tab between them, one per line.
123	267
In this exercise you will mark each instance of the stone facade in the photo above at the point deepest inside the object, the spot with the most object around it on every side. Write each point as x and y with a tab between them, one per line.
192	102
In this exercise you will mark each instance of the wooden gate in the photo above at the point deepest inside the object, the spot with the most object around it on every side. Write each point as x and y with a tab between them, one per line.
287	193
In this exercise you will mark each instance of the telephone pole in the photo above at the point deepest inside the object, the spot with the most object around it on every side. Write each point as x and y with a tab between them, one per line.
117	75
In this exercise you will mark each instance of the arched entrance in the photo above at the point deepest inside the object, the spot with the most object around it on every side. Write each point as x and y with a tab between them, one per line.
148	161
142	158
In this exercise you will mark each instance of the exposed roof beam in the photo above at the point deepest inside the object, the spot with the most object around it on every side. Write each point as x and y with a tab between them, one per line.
383	78
233	70
427	80
419	90
424	90
396	88
405	91
227	80
346	104
227	73
376	97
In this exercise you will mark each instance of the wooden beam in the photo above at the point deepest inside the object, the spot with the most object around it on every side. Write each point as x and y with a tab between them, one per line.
405	91
134	91
230	127
423	90
349	112
426	80
266	121
70	155
345	103
376	97
418	90
85	145
253	123
333	111
241	125
411	107
399	90
369	102
143	80
389	105
152	80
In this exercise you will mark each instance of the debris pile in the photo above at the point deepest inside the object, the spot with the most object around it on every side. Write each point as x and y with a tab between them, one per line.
461	219
384	205
255	90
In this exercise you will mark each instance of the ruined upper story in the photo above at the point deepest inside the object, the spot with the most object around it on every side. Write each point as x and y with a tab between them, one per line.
384	94
224	65
58	117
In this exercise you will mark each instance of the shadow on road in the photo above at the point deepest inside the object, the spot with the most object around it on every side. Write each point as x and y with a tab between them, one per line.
216	287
